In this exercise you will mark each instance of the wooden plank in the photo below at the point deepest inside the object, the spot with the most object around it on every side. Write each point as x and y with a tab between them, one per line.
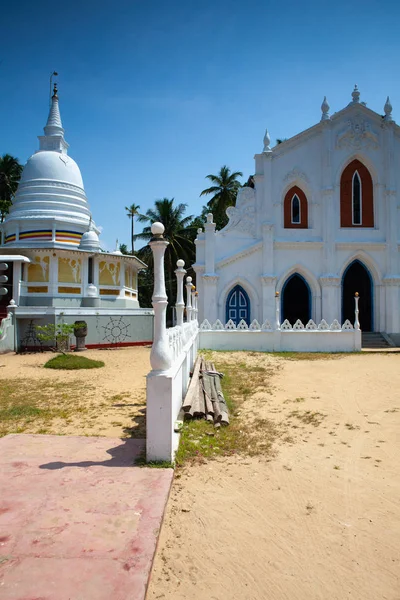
193	386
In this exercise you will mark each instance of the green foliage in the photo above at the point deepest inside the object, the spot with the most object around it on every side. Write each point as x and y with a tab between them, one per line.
72	362
132	211
50	332
10	174
123	248
180	233
224	189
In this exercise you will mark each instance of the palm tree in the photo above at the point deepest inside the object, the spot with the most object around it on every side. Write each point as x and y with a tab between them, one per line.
224	192
180	233
132	211
10	174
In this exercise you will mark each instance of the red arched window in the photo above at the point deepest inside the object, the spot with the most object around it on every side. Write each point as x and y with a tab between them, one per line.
295	209
356	196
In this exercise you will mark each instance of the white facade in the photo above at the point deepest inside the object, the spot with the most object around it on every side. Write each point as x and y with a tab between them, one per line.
316	264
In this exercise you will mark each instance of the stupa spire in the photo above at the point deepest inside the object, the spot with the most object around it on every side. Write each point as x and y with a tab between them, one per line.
53	138
54	124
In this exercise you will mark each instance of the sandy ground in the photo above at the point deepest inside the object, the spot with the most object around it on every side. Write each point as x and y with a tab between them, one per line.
113	398
319	519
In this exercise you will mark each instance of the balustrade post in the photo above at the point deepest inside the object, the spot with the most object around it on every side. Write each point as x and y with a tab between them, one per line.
188	298
160	357
277	311
196	297
356	322
180	304
193	303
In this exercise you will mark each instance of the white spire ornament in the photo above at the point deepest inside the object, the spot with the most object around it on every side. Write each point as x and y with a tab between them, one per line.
267	142
53	138
355	94
388	110
325	110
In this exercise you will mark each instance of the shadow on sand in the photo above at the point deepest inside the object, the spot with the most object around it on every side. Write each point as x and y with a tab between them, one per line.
124	455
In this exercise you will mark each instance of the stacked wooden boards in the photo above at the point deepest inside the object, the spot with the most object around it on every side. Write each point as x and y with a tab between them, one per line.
204	398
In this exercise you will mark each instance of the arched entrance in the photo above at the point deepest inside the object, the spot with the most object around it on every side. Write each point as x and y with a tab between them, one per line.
357	278
238	305
296	300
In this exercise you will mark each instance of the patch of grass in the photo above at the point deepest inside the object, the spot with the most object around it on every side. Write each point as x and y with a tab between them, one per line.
244	436
33	404
152	464
310	355
72	362
308	417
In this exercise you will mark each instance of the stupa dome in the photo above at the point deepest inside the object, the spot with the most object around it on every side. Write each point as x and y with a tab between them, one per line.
52	166
90	241
50	204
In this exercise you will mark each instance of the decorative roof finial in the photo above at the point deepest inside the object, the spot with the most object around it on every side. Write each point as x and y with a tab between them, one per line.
388	110
267	141
355	95
325	110
55	90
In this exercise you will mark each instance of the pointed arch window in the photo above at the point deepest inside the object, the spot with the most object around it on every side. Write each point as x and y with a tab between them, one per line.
357	199
296	210
356	196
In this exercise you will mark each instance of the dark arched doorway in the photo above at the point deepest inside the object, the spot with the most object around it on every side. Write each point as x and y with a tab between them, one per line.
357	278
296	300
238	305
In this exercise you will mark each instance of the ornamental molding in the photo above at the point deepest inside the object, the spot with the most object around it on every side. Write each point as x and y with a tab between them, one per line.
391	281
330	281
198	268
296	174
235	257
357	134
242	217
210	278
360	246
281	245
268	279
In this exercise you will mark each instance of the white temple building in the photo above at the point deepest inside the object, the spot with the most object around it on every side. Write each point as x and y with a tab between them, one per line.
51	261
320	223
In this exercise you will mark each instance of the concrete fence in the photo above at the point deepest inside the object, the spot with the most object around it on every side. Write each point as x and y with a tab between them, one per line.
172	357
283	337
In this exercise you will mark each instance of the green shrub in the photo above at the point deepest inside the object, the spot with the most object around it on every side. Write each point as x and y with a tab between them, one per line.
73	361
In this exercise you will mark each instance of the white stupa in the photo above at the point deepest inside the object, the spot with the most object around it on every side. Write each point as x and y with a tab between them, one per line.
50	207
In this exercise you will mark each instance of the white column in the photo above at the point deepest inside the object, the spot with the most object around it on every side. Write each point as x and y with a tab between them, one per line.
160	358
188	298
16	282
209	229
196	310
180	304
277	311
356	311
193	318
268	283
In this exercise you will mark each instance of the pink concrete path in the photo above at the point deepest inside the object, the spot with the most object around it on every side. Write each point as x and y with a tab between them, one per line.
77	520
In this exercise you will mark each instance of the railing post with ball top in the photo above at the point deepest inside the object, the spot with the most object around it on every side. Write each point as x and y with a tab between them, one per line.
356	322
188	298
160	358
180	304
277	311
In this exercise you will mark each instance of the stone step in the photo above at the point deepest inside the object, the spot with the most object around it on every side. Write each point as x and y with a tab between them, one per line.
371	339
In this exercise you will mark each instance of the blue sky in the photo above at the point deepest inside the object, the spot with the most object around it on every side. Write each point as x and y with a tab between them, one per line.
155	95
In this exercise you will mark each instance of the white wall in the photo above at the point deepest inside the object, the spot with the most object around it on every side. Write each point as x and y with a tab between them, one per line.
282	341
